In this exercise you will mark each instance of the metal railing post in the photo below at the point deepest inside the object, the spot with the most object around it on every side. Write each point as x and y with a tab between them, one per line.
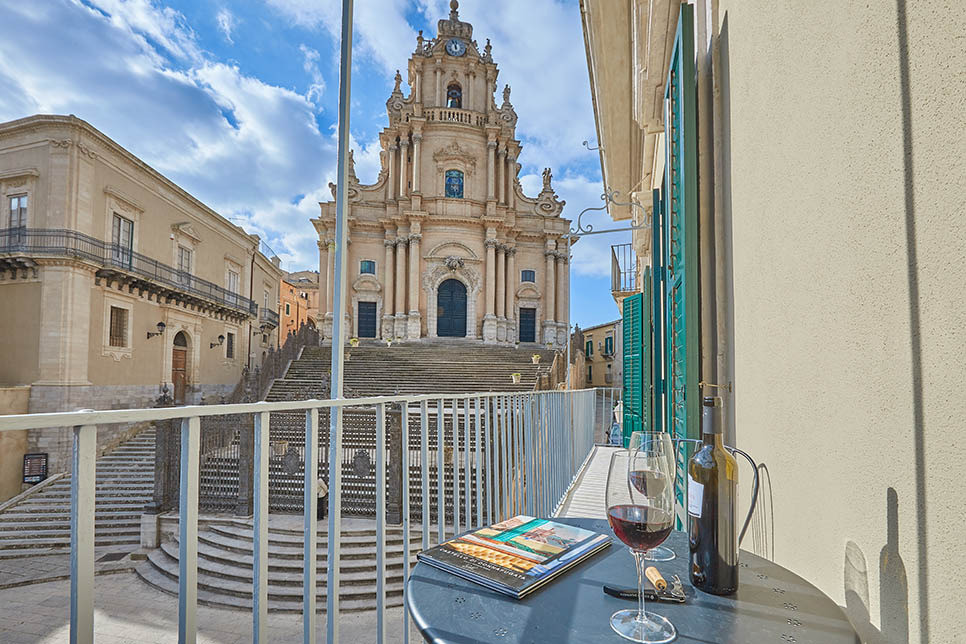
454	424
405	513
260	531
424	462
310	506
82	491
479	462
188	531
380	523
440	466
467	487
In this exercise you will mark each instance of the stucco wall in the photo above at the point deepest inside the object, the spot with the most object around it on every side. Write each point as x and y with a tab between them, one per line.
19	344
844	183
13	445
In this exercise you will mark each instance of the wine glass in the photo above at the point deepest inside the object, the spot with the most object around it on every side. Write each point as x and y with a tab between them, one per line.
642	520
639	477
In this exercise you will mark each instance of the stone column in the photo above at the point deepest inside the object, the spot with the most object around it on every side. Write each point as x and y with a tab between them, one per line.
391	184
329	290
511	293
413	328
511	175
491	152
399	327
501	281
416	150
323	274
403	167
489	320
563	297
439	102
419	85
502	176
388	305
550	331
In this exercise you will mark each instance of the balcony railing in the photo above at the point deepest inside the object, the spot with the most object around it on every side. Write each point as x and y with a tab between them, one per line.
508	454
455	115
116	258
268	317
623	269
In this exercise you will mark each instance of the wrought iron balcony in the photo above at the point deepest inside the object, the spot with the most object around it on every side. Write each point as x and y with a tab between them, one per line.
268	318
623	269
18	247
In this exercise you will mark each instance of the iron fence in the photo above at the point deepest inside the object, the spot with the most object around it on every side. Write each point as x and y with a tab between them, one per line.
510	453
71	243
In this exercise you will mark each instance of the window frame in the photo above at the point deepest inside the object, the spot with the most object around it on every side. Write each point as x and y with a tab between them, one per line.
462	183
362	267
122	251
124	323
459	88
533	275
22	209
589	347
229	345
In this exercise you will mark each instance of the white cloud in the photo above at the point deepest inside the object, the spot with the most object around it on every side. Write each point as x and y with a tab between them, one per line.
310	63
245	147
226	24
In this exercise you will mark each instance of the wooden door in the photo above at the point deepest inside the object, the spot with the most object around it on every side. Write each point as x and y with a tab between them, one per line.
367	319
179	373
528	325
451	309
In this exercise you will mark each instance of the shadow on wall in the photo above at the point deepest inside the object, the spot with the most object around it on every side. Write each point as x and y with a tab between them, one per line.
893	586
762	527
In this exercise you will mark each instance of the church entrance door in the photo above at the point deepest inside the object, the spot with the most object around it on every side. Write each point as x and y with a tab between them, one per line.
528	325
179	367
367	319
451	310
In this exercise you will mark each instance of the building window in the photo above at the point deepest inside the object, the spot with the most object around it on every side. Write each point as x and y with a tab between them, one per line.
118	333
122	238
528	275
265	300
367	267
454	184
288	310
590	373
589	348
233	281
18	211
184	265
608	345
230	345
454	96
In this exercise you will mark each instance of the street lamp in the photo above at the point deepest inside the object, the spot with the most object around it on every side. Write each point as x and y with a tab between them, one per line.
221	341
161	327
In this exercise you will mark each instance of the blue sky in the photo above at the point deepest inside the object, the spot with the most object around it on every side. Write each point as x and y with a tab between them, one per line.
236	100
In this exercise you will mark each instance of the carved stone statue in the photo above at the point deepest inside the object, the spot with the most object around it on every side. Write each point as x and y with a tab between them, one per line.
547	176
506	94
398	81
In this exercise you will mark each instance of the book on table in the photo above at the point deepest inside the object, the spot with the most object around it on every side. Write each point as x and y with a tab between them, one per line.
516	556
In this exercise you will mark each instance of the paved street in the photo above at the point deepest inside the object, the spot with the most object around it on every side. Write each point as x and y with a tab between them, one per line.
128	611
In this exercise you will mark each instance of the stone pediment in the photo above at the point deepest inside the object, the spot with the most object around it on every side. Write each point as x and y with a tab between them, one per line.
452	249
186	229
454	152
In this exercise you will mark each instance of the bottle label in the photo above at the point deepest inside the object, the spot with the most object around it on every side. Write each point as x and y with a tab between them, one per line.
695	497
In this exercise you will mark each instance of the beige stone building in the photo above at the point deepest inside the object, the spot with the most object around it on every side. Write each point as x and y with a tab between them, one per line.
293	307
307	283
602	365
445	242
811	181
115	282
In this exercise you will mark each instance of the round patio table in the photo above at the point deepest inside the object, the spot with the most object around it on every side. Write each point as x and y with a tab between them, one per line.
772	606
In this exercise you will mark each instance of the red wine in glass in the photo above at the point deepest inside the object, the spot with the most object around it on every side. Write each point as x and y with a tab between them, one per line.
648	482
639	526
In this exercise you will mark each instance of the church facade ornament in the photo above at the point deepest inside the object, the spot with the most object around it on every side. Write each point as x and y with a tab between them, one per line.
448	203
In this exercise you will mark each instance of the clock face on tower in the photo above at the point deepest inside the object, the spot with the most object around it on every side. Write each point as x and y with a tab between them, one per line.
455	47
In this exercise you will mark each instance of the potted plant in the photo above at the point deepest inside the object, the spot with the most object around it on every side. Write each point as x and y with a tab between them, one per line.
549	346
353	342
388	342
535	358
516	378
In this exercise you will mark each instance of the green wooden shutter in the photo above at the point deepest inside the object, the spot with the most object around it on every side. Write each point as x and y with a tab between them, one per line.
647	385
633	359
681	243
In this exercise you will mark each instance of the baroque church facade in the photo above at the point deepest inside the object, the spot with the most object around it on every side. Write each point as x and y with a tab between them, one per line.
445	243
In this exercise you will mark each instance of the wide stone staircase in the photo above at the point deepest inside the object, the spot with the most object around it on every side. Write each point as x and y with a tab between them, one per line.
225	566
40	524
430	366
225	546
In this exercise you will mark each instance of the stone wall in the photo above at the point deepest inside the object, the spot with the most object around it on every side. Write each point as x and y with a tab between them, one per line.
13	445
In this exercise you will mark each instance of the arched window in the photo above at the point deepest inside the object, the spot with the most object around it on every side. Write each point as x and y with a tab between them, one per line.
454	96
454	184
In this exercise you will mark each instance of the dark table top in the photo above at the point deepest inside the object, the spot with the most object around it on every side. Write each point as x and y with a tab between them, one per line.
772	606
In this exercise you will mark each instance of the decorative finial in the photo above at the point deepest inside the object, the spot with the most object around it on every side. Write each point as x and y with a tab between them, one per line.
454	13
488	48
547	176
506	94
398	81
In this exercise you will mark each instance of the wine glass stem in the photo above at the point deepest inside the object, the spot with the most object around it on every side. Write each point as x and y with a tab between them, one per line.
639	558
